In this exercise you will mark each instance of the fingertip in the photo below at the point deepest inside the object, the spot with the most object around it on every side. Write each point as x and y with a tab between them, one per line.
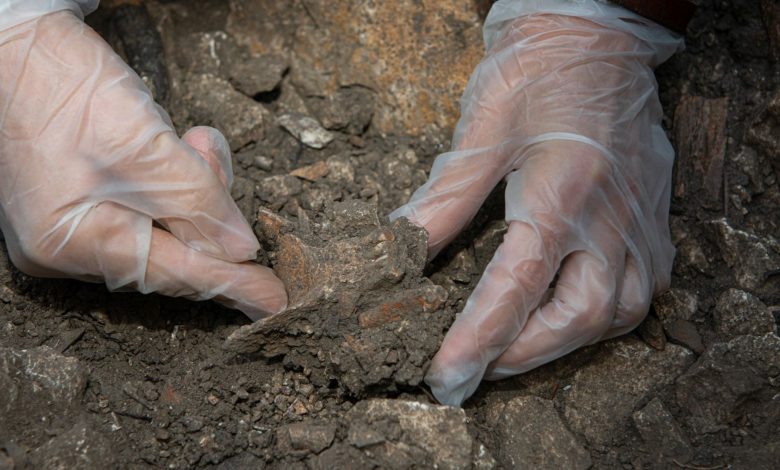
264	296
452	384
213	147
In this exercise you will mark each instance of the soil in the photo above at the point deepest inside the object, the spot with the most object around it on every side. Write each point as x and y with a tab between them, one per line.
92	379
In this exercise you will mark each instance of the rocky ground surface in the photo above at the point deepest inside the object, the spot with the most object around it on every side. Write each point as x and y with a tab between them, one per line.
335	111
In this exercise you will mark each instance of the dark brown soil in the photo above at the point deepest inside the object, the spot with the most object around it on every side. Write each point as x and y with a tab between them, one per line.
91	379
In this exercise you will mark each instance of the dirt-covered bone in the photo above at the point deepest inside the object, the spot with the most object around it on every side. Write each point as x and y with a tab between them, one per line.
361	312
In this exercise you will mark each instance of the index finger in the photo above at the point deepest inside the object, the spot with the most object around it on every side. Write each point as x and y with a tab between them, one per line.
513	284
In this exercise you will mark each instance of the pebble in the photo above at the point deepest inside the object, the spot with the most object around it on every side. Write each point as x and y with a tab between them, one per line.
306	129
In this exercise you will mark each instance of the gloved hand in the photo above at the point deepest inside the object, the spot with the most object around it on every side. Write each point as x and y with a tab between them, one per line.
565	106
95	184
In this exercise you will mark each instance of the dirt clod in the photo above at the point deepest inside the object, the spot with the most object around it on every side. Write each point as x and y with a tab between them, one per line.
361	313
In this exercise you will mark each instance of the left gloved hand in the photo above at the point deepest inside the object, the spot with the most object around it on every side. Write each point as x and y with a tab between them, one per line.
565	106
96	185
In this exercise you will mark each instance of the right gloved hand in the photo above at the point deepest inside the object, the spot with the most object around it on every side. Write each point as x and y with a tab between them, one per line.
565	107
95	184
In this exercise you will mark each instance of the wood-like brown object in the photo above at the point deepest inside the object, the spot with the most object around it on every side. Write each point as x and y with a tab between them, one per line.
700	140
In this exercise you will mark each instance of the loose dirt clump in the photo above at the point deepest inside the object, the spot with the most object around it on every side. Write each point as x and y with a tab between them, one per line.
361	314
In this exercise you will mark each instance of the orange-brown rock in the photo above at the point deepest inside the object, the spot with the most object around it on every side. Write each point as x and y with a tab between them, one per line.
416	55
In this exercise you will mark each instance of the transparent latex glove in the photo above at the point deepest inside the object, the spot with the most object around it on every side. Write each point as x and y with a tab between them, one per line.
565	107
95	184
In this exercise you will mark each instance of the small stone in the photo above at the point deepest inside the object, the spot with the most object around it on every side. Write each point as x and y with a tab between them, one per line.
408	156
162	435
305	389
6	294
299	407
483	460
254	75
263	162
311	172
306	129
675	304
691	254
652	332
308	436
213	399
349	109
532	435
740	313
340	170
661	433
277	190
357	141
685	333
192	423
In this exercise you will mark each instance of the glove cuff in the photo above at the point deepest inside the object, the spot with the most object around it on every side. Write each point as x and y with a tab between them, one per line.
14	12
603	12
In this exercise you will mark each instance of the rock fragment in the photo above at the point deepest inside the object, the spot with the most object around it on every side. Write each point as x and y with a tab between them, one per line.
255	75
531	434
216	52
740	313
729	377
311	172
433	435
605	392
661	433
305	436
277	190
81	447
60	378
685	333
675	304
651	330
306	129
350	109
213	101
765	130
750	271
